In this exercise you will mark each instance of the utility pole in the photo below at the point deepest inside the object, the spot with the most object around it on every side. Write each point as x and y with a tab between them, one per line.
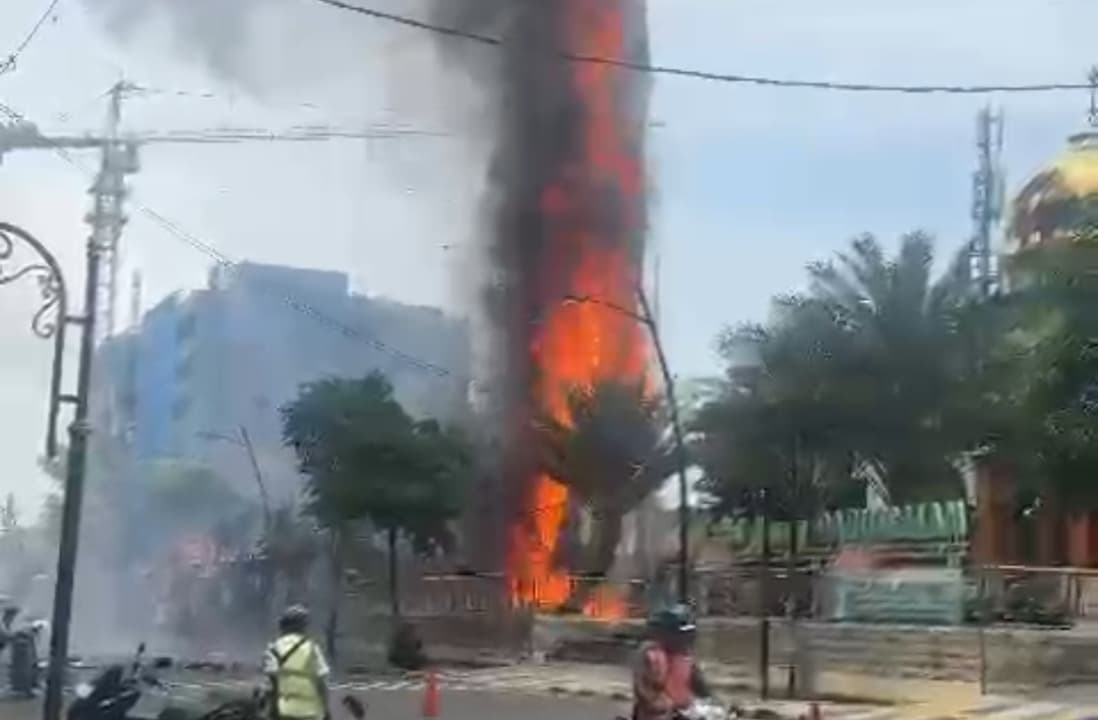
764	597
987	199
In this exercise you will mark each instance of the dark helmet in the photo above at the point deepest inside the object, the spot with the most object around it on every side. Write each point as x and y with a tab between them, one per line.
676	619
294	618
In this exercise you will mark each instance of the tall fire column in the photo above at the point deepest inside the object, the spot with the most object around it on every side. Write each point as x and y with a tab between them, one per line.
567	218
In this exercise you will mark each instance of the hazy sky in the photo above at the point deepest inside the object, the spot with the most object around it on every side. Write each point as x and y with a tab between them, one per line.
749	184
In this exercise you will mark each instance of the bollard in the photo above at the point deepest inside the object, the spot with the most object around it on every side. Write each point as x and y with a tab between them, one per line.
430	697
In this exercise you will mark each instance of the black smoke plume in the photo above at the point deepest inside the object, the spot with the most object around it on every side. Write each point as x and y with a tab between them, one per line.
537	120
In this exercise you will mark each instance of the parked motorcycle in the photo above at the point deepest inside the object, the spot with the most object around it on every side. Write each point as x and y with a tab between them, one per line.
115	691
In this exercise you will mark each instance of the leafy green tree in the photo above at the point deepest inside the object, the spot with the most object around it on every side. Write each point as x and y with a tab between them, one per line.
779	425
1052	333
900	362
367	459
612	451
871	367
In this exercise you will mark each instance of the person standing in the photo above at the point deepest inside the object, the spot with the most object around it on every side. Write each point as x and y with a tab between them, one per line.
297	670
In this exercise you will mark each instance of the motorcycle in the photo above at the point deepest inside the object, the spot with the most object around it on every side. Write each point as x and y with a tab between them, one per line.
115	691
702	709
257	708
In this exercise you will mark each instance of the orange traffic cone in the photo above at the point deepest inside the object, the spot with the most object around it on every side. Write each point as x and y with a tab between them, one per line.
430	697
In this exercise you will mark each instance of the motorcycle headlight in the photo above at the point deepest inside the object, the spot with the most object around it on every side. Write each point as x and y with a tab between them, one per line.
83	690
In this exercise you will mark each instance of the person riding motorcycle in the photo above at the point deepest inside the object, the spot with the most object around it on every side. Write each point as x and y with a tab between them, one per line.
666	678
297	670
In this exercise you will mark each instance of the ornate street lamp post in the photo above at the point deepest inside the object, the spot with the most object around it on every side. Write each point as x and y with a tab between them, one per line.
50	322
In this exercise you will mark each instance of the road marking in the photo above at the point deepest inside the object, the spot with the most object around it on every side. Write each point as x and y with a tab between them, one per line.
1030	710
877	714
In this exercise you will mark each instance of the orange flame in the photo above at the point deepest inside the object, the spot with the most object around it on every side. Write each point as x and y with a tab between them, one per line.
606	603
593	213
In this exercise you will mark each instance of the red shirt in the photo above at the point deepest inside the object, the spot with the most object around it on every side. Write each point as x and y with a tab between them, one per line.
662	682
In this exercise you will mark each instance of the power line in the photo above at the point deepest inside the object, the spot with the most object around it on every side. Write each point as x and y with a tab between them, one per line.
8	64
696	74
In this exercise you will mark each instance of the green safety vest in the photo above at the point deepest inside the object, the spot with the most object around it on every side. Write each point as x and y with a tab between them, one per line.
295	658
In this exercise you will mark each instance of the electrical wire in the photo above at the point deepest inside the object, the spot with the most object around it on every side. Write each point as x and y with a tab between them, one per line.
696	74
8	64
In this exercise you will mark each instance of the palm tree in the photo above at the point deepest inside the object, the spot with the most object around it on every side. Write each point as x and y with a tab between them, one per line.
898	351
871	368
612	451
782	425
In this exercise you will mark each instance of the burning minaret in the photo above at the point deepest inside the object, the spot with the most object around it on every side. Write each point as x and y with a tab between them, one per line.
566	217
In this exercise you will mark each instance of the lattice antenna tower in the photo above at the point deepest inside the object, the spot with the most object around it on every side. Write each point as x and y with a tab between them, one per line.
988	191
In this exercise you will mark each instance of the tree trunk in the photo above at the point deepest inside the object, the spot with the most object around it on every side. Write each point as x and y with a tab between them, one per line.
608	535
394	579
600	553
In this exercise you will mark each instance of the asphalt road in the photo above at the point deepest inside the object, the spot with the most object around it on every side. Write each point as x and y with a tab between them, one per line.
407	705
489	706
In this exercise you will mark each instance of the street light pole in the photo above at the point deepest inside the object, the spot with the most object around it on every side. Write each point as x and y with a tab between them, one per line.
680	448
244	441
49	322
646	318
79	431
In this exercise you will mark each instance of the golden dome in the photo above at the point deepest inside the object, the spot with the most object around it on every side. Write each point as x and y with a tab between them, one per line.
1054	206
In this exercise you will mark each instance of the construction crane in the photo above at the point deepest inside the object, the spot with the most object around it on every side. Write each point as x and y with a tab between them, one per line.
119	158
26	136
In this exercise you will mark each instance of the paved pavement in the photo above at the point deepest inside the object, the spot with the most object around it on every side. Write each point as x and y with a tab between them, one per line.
534	692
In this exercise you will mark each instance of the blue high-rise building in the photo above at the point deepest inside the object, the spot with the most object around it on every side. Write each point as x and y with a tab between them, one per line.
201	365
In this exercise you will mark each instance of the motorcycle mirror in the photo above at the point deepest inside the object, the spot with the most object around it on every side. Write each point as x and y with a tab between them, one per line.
354	707
141	649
